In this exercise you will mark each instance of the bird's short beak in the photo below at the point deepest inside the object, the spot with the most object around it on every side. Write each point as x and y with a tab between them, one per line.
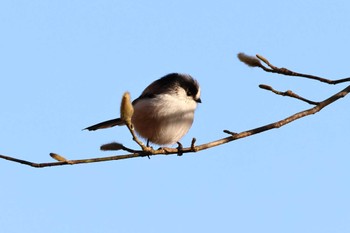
199	100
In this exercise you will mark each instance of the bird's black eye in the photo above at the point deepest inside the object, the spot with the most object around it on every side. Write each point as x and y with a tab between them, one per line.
191	91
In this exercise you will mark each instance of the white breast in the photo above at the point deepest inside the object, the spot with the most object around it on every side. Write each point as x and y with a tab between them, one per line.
164	119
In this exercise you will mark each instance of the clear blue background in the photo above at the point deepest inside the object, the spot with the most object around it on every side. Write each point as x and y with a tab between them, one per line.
64	65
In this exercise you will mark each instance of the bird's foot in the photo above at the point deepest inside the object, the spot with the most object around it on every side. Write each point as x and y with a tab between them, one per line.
179	149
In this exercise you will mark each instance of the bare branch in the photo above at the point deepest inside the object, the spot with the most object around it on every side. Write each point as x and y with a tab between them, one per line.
285	71
288	93
192	148
148	151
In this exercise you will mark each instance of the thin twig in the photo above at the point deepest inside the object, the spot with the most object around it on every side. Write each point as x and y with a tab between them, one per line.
285	71
137	140
288	93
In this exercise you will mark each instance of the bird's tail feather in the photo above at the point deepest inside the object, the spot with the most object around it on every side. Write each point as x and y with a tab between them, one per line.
105	124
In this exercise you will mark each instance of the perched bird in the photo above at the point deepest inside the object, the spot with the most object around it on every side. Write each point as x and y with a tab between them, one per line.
164	112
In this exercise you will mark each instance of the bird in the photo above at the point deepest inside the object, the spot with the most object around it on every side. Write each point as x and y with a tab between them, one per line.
164	112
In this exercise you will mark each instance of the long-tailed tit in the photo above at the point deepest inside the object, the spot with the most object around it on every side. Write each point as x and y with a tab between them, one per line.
164	112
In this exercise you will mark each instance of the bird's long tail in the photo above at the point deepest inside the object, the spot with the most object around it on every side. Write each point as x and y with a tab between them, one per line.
105	124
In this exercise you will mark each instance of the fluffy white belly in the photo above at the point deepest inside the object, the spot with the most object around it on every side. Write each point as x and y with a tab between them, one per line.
163	120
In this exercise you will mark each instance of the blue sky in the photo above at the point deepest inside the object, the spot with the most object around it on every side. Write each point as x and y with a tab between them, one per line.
66	64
